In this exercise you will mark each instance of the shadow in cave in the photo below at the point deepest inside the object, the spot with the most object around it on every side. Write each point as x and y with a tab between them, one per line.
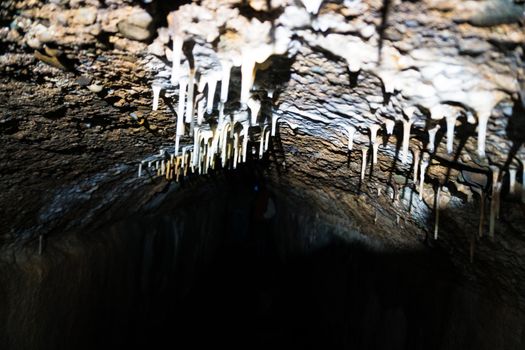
211	269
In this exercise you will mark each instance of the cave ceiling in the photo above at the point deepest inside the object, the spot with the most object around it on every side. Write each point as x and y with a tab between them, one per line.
390	115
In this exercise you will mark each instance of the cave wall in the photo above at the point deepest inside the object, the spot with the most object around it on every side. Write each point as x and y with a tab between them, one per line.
203	268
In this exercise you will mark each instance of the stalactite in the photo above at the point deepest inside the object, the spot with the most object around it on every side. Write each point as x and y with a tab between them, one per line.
483	119
407	124
224	143
498	197
254	106
416	154
432	138
351	132
512	180
423	169
275	118
261	142
363	162
176	55
156	94
494	200
266	140
225	79
247	75
177	167
189	104
373	141
235	149
451	124
180	114
389	125
212	85
168	170
436	209
201	102
312	6
245	138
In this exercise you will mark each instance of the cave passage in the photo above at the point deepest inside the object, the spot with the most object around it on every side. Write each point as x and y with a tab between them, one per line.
237	266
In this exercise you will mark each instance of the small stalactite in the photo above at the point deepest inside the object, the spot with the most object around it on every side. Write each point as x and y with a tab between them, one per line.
407	125
494	202
201	103
373	142
512	180
436	210
225	79
156	94
191	88
451	124
176	56
483	119
423	169
351	133
364	151
389	126
212	86
275	118
255	106
432	138
416	154
247	75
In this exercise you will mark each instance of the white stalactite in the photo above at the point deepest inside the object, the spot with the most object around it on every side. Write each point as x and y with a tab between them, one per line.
312	6
351	133
483	119
183	83
416	155
225	79
432	138
389	125
451	124
274	123
201	103
212	85
247	76
245	139
235	149
191	88
176	55
156	94
373	141
363	162
512	180
407	124
423	169
261	142
267	140
254	106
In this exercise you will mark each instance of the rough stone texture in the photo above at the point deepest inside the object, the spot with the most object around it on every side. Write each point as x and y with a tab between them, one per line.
74	123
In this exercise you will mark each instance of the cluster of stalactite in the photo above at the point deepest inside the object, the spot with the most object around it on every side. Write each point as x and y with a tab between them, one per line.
222	139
